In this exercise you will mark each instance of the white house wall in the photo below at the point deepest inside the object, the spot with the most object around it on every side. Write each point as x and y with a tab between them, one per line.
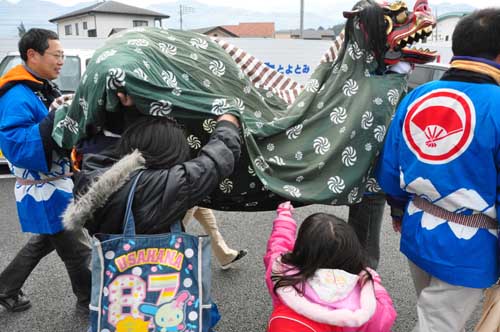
445	29
106	22
74	20
103	23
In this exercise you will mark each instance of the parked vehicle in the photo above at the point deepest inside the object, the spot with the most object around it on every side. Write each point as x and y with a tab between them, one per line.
75	63
424	73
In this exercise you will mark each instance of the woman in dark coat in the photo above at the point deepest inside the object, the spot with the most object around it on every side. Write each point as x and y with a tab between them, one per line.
170	183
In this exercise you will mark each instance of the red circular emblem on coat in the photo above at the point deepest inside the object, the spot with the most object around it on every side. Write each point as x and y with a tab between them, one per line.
439	126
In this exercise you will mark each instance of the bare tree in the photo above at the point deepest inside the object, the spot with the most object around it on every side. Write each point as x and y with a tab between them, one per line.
21	30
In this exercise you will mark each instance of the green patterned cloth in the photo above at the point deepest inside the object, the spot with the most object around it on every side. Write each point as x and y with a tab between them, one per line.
320	149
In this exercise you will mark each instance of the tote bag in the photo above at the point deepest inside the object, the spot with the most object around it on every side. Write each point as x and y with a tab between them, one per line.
145	283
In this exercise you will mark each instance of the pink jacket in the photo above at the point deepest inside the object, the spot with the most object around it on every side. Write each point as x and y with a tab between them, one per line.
366	308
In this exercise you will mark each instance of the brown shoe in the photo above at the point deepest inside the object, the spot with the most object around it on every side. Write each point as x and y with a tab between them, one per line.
15	303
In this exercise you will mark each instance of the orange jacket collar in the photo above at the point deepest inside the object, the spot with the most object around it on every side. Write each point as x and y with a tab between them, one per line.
18	73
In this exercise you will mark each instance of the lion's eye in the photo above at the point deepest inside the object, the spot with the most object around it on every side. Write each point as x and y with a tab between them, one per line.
402	17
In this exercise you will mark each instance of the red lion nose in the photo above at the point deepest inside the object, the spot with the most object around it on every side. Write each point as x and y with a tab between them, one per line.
422	6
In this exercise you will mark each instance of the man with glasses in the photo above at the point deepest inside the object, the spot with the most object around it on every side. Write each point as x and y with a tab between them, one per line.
44	186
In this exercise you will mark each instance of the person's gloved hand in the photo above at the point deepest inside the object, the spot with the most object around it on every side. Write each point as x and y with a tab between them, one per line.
229	117
60	101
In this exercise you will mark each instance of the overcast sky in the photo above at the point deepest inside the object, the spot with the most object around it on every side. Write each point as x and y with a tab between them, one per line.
315	6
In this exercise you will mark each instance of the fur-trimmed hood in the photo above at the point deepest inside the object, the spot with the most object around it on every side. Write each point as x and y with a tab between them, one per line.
81	209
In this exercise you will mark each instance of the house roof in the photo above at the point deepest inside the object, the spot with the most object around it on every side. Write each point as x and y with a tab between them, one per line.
210	29
111	7
452	14
252	29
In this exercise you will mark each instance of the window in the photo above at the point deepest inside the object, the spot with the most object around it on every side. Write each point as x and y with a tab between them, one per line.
438	73
425	73
138	23
92	33
84	25
68	79
77	32
418	76
8	63
70	74
67	30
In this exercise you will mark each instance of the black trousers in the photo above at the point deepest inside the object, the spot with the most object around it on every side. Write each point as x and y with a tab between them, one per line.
73	247
366	219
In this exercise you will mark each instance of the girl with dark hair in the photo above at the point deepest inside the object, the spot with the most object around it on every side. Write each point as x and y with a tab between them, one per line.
170	184
162	142
319	281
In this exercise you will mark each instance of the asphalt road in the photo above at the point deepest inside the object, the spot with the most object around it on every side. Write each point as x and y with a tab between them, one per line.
240	292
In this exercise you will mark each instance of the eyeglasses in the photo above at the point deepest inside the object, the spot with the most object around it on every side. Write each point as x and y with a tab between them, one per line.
60	56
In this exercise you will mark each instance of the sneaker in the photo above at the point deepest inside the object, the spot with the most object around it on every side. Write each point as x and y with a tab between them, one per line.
15	303
242	253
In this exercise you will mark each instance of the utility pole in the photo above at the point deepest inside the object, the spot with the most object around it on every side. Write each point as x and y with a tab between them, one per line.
183	10
301	18
180	16
437	23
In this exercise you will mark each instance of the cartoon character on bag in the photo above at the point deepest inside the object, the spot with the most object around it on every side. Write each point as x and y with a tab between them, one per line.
168	317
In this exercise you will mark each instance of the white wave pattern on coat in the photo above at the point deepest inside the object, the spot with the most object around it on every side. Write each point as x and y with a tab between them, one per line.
461	199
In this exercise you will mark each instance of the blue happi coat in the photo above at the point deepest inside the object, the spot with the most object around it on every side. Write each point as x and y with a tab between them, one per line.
444	145
39	205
